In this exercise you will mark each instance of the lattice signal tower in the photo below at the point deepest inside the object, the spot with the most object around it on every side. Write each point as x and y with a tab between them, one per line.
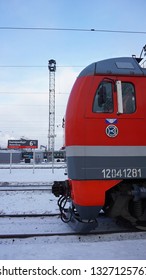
51	129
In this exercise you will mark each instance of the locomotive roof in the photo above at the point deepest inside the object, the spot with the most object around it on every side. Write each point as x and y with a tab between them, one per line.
115	66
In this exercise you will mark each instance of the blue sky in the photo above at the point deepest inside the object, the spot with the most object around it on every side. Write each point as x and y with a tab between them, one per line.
24	113
69	47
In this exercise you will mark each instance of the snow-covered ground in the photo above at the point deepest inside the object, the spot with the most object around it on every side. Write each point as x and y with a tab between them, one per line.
55	248
28	173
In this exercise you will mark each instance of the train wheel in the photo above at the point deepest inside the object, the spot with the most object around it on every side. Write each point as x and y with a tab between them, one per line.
137	208
122	204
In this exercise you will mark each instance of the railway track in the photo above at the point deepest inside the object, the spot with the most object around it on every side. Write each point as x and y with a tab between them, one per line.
50	225
56	166
26	187
18	224
91	237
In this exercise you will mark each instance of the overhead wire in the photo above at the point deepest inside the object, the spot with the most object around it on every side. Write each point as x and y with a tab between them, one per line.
71	29
23	92
41	66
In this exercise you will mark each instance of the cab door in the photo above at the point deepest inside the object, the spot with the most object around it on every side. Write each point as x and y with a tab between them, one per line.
112	120
115	125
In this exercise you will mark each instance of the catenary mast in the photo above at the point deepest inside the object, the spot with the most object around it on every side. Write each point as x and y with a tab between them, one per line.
51	129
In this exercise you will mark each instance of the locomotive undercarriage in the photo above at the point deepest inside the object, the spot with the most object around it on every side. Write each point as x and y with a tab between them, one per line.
126	201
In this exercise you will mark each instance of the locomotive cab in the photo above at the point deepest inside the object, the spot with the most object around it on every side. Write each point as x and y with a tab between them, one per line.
106	144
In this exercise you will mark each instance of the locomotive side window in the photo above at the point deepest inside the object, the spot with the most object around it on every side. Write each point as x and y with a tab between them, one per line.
128	97
103	101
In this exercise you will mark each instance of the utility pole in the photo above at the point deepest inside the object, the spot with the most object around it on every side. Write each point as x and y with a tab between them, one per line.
51	129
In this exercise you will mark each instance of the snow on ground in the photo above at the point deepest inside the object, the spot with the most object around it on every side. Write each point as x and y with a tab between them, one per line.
30	174
71	248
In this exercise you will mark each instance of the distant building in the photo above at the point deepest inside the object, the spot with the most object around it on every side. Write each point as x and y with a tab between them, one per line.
5	156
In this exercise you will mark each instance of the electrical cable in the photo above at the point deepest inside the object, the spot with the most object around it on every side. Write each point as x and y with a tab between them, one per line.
71	29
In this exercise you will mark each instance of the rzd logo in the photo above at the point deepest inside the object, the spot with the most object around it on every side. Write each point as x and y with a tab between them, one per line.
111	130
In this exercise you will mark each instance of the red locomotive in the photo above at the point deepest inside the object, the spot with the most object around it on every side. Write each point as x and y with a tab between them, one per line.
105	142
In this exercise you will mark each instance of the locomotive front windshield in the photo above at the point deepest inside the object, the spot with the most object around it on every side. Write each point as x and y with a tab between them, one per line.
104	101
128	97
